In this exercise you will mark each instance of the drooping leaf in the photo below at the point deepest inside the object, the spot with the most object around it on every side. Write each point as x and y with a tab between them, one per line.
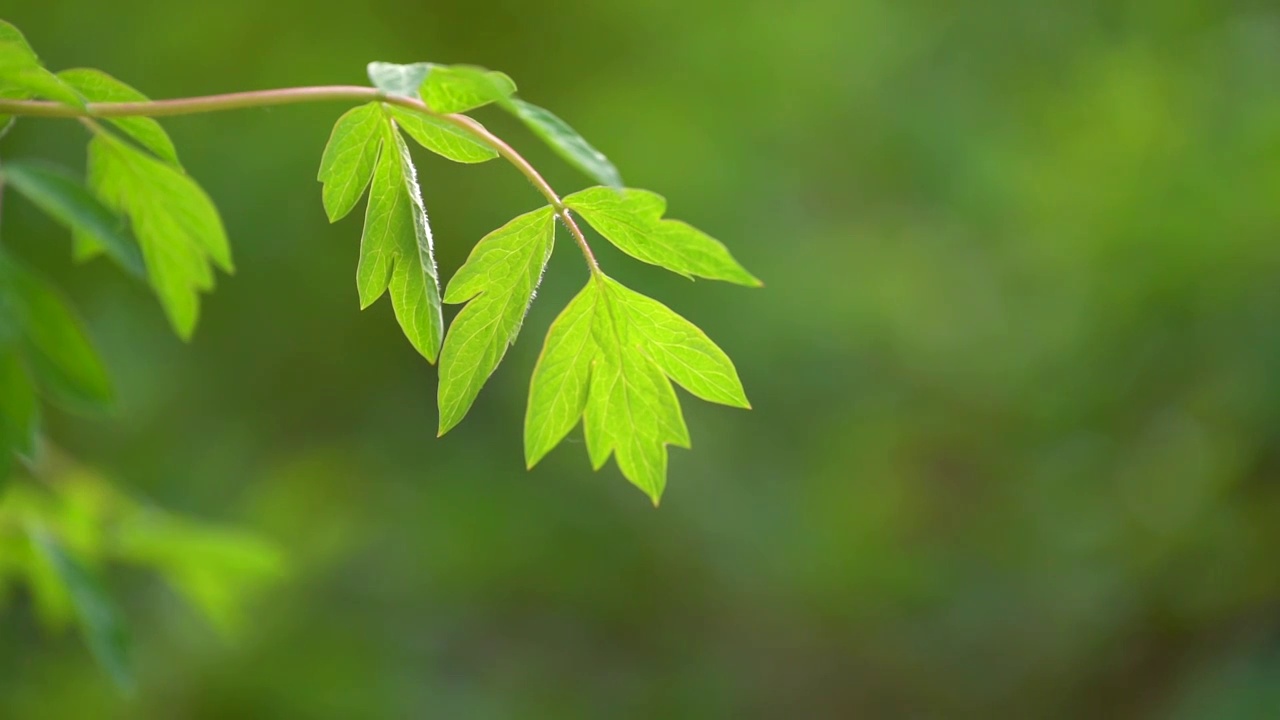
97	86
607	360
64	199
497	282
632	221
459	88
22	75
395	79
55	347
347	164
103	629
441	137
176	224
19	411
396	248
566	141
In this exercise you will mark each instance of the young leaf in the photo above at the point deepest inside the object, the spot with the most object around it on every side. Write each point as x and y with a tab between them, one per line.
97	86
558	391
396	248
63	198
497	282
396	79
566	141
103	629
57	351
22	75
459	88
682	351
347	164
176	224
19	411
607	359
440	137
632	221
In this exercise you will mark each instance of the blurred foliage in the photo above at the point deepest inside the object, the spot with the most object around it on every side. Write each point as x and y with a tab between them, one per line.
1015	371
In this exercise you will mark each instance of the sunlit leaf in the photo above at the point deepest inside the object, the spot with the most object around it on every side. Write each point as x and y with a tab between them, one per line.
395	79
97	86
22	75
176	224
396	248
567	143
632	221
64	199
441	137
459	88
607	360
497	282
347	164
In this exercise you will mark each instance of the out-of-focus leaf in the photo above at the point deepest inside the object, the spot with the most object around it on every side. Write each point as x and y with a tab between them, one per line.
103	629
63	198
22	75
395	79
54	345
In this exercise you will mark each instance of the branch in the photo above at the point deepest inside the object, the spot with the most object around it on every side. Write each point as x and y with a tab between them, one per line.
293	96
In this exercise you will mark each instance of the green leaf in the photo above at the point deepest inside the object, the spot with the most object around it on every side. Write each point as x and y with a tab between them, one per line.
176	224
497	282
441	137
558	391
396	79
681	350
632	221
104	631
459	88
97	86
56	349
396	248
347	164
64	199
607	360
22	75
566	141
19	411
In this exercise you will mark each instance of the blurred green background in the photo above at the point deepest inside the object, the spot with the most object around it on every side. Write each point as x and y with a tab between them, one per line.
1015	449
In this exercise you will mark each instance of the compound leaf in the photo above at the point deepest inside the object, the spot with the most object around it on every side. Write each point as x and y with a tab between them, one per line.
103	629
97	86
349	157
395	79
441	137
63	198
497	282
632	221
176	224
22	75
459	88
396	248
609	359
56	350
566	142
679	348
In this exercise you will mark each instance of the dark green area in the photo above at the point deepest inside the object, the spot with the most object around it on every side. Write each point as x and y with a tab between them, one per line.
1015	371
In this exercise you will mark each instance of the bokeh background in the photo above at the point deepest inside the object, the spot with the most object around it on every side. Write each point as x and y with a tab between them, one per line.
1015	449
